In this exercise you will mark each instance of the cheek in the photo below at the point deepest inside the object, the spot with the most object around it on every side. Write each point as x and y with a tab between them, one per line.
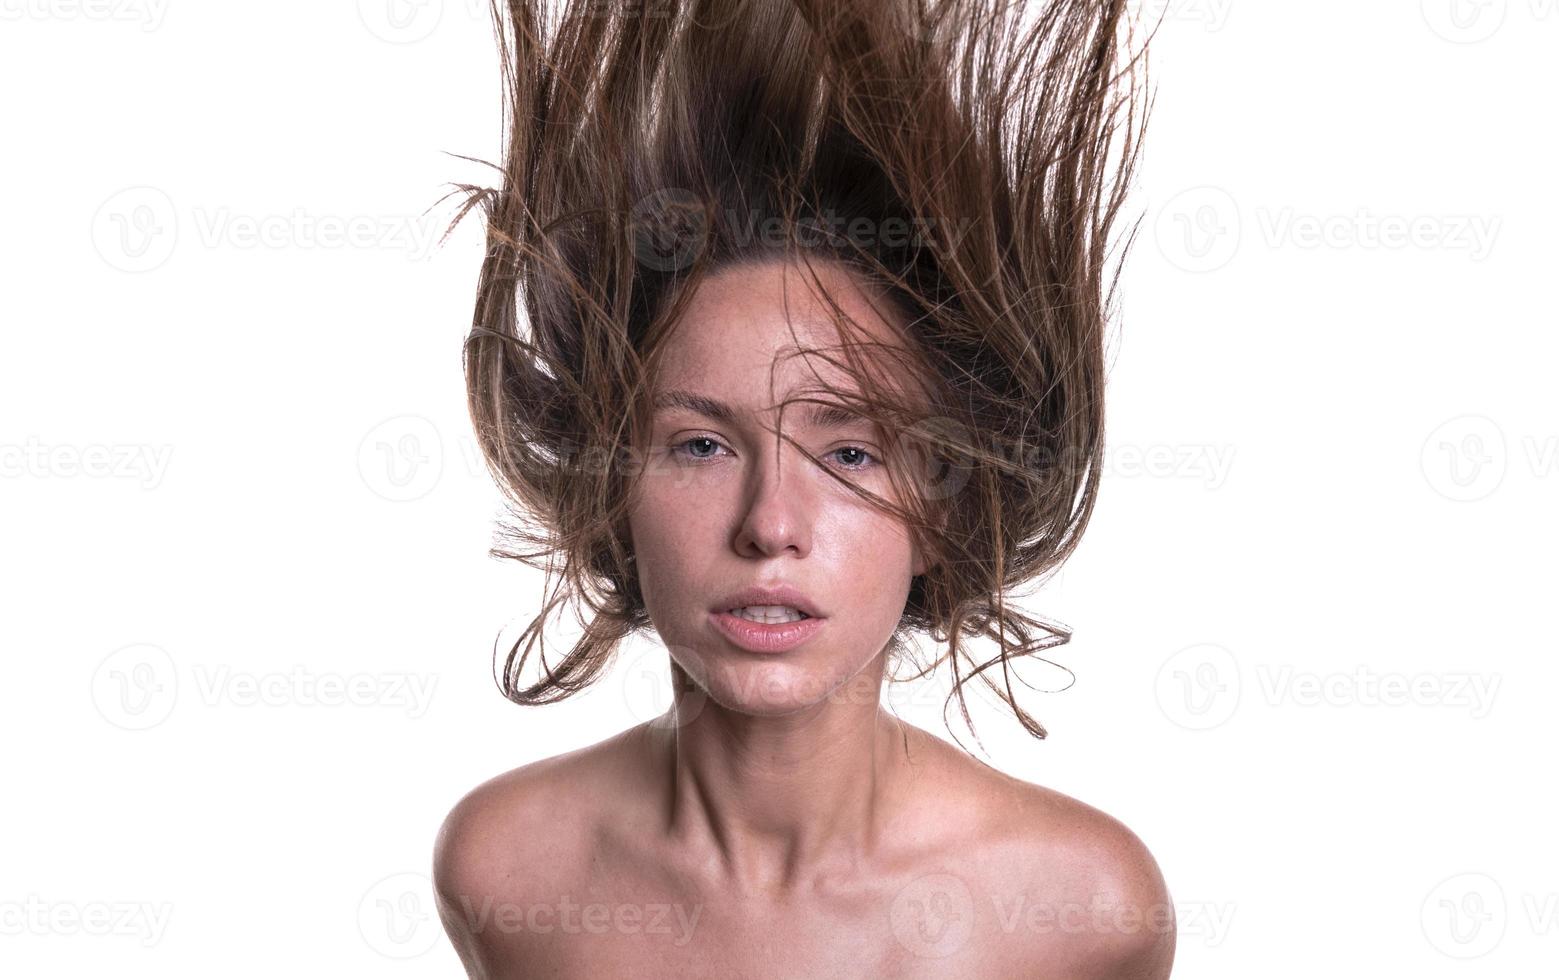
866	558
672	537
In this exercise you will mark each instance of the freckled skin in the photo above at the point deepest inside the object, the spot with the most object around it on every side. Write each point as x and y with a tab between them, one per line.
731	512
777	822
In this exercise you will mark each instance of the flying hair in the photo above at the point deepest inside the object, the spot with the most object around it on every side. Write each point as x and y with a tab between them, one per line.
965	160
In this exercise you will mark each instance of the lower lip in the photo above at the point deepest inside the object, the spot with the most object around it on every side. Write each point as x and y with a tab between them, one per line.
766	637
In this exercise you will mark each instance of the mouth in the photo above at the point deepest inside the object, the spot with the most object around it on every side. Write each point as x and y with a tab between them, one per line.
784	628
779	602
769	615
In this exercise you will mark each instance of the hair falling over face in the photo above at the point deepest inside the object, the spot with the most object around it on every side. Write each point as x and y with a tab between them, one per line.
965	158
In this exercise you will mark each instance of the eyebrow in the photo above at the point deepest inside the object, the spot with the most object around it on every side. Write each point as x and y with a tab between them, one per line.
823	416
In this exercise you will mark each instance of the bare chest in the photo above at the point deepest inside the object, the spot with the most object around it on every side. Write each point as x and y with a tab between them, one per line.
930	926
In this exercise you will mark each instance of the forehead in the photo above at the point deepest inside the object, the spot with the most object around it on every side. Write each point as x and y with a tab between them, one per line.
745	321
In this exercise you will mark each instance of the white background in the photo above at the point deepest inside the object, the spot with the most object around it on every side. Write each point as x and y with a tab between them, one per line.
1314	646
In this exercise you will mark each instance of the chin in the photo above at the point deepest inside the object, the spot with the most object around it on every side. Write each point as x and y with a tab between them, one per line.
764	686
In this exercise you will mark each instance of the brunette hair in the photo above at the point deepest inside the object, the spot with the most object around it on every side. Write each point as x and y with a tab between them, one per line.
956	156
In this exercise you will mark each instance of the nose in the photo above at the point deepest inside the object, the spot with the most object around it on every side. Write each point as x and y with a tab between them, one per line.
777	504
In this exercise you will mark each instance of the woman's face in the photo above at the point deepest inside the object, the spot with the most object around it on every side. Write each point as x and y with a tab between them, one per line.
722	507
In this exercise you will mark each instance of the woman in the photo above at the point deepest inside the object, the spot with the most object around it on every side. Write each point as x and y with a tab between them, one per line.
810	362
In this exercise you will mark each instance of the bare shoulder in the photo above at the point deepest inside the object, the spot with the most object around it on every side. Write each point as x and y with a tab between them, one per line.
520	837
1067	886
491	831
1101	882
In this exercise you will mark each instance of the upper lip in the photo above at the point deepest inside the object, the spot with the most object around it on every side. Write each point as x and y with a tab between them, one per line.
773	595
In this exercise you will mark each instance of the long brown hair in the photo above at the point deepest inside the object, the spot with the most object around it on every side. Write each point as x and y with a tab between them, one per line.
957	156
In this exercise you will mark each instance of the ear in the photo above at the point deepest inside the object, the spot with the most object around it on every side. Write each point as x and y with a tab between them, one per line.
918	563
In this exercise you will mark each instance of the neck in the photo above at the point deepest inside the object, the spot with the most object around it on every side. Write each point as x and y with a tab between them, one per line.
778	802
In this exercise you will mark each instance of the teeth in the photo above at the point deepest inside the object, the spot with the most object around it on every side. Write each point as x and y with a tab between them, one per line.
769	614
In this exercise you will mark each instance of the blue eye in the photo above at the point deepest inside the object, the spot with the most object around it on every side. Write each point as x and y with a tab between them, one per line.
680	447
859	458
865	458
